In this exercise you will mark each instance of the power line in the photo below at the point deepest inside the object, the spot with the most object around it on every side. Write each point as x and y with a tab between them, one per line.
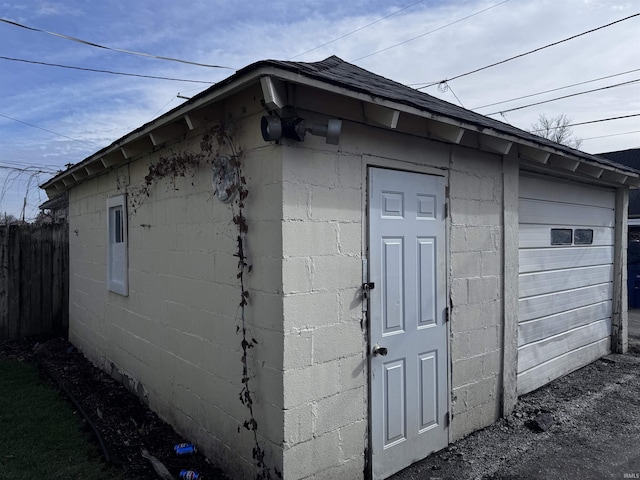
530	51
565	96
356	30
103	71
43	129
26	170
431	31
26	164
612	135
25	167
555	89
586	123
131	52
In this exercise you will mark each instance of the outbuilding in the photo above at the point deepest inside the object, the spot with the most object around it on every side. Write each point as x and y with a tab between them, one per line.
399	268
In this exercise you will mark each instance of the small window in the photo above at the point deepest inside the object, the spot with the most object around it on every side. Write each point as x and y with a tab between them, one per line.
117	224
561	236
117	256
583	236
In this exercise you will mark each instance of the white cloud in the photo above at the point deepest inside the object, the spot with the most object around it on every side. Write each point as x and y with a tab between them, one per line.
100	108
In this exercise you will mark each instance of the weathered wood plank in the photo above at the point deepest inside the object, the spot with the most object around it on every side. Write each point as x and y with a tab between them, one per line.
65	278
56	280
46	248
4	285
14	275
33	280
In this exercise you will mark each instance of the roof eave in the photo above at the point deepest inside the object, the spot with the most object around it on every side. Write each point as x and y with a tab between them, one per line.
442	127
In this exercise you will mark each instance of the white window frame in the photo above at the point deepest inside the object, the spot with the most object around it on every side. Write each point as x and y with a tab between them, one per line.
118	249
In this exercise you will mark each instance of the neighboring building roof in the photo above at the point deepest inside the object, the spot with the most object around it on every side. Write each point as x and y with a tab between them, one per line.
630	158
57	203
340	77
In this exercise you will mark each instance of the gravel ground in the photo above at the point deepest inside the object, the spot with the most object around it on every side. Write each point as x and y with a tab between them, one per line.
591	421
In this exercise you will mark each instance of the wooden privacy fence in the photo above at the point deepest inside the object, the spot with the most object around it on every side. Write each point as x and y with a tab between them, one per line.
34	280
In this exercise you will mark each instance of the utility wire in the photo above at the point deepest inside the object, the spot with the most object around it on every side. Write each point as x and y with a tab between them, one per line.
555	89
131	52
563	97
430	32
356	30
26	170
530	51
103	71
586	123
9	164
43	129
26	164
611	135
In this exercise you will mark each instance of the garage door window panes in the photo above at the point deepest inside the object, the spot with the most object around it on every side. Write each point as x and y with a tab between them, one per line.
568	236
583	236
561	236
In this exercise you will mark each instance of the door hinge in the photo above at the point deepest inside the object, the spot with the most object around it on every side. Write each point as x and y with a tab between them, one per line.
446	315
446	210
447	419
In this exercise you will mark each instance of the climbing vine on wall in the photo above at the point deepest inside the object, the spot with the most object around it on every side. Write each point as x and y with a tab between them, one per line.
248	342
186	164
179	164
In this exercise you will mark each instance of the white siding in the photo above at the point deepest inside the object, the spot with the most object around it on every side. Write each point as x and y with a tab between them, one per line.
565	290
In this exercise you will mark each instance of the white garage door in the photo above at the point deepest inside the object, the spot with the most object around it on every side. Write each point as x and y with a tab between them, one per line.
566	273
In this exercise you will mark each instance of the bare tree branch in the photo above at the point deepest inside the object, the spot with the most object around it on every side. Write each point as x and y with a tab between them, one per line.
556	129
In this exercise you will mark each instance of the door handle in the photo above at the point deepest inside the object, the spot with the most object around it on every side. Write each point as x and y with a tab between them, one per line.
378	350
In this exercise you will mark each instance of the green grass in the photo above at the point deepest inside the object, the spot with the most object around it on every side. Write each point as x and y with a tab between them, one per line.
40	435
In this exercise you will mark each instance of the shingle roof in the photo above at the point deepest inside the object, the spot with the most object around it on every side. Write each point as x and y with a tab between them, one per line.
630	158
336	71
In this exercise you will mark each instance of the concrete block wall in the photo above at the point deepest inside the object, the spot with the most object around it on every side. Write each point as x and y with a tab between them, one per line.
174	335
475	262
323	191
325	385
476	289
173	338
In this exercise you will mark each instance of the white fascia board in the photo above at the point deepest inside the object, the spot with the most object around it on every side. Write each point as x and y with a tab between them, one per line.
253	76
544	151
163	121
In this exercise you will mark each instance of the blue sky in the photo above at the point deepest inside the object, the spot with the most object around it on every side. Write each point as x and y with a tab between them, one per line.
87	111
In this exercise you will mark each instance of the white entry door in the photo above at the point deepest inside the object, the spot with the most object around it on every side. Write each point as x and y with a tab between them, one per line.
408	334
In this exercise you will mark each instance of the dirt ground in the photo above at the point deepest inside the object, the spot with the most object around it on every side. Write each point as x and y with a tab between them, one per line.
593	420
